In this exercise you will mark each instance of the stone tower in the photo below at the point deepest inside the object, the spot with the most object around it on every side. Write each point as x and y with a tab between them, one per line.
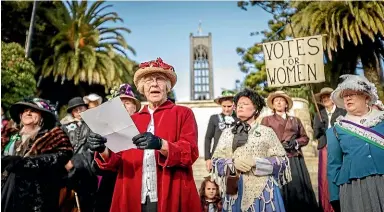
201	66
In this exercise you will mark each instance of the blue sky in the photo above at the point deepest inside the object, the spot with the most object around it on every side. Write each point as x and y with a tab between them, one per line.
162	29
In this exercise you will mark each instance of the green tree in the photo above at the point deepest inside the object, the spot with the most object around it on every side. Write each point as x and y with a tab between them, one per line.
17	74
354	33
253	58
84	49
16	24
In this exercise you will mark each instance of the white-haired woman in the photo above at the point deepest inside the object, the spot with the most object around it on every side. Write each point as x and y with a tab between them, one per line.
157	176
356	149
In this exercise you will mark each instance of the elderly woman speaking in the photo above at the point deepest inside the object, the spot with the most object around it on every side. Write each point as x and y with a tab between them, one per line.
157	176
33	161
356	149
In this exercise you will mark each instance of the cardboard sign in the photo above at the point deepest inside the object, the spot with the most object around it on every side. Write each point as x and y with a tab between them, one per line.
294	62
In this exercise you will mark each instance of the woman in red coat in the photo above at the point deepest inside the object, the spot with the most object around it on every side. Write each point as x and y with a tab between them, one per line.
157	176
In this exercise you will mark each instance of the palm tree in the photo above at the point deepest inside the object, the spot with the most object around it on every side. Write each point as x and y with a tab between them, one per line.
354	33
85	50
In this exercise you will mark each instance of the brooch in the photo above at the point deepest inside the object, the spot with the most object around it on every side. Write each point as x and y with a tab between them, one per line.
71	127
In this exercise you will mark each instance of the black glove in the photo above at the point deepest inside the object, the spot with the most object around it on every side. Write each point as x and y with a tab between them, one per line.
9	162
147	141
96	142
289	145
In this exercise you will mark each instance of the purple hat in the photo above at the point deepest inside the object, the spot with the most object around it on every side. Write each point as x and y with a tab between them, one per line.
125	91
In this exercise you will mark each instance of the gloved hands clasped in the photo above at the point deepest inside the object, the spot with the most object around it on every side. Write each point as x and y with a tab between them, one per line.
244	165
147	141
290	145
96	142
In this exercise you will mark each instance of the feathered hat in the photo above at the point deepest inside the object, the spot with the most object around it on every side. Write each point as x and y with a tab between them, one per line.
356	83
125	91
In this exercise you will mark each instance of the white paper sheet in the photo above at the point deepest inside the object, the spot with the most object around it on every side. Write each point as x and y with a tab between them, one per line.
113	122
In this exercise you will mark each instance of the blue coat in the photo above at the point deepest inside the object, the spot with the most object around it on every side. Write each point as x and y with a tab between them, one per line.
351	157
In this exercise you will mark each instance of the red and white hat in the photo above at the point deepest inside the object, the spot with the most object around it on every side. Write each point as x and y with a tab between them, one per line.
155	66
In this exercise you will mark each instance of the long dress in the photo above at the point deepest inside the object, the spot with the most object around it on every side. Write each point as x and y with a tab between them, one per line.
319	129
298	194
355	162
258	189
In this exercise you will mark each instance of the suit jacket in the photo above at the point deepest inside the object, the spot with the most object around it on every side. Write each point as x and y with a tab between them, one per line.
320	128
213	131
286	129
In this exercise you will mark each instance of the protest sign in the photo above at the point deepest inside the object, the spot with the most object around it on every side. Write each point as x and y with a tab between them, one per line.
294	62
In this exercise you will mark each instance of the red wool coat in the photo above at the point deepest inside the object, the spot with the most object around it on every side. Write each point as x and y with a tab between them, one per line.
176	187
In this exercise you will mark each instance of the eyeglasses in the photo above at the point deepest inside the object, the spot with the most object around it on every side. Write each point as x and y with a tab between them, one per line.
350	95
157	80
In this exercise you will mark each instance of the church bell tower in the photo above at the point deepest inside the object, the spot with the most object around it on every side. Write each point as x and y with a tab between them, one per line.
201	68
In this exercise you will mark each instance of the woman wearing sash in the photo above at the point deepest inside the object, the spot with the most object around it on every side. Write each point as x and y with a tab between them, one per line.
356	149
298	195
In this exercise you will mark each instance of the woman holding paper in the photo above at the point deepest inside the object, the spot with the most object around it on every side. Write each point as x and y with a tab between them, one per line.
108	179
356	149
157	176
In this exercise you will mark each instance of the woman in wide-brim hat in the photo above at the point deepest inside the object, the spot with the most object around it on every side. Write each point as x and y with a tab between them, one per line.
323	92
48	116
33	161
281	94
298	195
356	148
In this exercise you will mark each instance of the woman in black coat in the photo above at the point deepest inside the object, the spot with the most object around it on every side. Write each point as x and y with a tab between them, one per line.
33	160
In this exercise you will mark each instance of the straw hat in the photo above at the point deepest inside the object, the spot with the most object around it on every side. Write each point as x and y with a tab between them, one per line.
356	83
279	94
155	66
227	94
323	91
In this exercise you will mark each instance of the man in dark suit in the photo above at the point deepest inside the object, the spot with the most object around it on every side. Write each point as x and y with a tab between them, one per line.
328	117
217	123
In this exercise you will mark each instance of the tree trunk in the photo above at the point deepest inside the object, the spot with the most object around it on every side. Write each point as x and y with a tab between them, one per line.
372	74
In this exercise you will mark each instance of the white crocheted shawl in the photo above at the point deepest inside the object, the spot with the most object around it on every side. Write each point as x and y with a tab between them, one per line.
262	143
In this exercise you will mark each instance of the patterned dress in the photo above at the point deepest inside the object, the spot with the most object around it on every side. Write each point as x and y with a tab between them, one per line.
258	189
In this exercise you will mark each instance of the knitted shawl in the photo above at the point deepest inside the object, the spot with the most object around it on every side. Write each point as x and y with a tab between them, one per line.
263	143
